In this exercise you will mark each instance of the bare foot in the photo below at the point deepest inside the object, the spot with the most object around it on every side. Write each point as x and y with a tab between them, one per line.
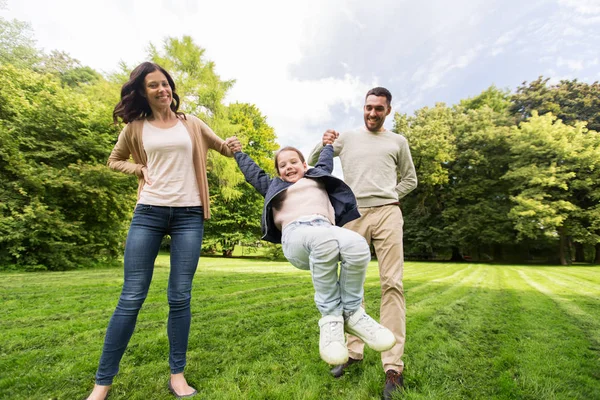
99	393
180	385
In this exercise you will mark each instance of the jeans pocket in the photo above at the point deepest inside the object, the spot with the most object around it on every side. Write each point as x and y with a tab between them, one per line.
140	208
196	210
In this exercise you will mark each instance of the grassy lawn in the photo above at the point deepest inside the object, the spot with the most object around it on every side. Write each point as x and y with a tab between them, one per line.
474	332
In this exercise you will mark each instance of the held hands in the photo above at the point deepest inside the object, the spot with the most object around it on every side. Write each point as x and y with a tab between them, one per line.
329	136
234	144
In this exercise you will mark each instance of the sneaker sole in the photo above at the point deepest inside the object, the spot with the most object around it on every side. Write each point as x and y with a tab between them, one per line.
333	360
381	347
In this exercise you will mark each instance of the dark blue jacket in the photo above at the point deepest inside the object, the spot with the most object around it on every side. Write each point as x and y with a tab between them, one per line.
341	196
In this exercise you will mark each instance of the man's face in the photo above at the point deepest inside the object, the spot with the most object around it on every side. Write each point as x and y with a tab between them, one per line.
376	109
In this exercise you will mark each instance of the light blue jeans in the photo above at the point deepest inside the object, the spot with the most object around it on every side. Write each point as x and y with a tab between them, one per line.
312	243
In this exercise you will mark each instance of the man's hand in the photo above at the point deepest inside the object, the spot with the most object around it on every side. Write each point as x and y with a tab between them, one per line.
329	136
234	144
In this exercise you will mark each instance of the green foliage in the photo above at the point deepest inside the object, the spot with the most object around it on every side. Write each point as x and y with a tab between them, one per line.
61	207
570	100
552	163
68	70
237	219
490	189
430	134
476	200
202	91
431	141
494	98
17	46
460	154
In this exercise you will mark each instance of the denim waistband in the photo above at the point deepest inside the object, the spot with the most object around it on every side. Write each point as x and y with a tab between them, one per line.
313	219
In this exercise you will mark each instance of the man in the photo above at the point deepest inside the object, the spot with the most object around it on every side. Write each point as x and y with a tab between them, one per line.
378	167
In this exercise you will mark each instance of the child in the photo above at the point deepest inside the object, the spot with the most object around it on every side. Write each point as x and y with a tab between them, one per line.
304	211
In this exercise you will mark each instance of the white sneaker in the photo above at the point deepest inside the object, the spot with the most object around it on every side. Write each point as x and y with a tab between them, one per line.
376	336
332	342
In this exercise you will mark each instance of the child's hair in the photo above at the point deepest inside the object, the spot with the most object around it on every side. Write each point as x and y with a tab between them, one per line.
287	148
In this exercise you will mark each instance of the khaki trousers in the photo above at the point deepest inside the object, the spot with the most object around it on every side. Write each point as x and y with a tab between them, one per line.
382	226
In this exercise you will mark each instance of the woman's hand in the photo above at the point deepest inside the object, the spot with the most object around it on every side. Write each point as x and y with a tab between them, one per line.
234	144
145	174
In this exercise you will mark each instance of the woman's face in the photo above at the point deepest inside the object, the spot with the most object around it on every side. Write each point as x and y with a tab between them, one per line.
158	91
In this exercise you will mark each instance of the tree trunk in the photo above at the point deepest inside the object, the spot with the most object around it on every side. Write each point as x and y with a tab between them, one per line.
497	253
456	256
562	246
579	254
597	256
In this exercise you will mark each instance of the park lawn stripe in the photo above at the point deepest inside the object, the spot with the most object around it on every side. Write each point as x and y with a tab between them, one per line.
586	275
556	361
461	363
474	331
435	279
586	320
432	346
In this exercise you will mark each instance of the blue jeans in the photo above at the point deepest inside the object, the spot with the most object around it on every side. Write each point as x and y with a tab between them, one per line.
148	226
313	243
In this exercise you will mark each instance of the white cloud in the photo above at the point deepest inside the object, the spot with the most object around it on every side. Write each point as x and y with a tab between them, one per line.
441	63
572	31
573	65
252	42
423	51
587	7
508	37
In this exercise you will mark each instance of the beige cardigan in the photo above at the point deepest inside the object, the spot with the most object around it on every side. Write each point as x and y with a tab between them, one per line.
203	138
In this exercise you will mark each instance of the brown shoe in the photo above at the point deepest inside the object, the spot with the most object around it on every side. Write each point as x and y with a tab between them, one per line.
394	381
338	370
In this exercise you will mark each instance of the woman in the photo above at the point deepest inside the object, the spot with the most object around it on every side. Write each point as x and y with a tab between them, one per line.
169	152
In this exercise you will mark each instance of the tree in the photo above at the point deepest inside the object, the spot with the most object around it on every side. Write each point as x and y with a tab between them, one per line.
570	100
67	69
546	156
476	201
431	138
201	89
61	208
17	46
239	218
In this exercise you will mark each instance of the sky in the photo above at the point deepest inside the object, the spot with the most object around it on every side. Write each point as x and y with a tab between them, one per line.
308	64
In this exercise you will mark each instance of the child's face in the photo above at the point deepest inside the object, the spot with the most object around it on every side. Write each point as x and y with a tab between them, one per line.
290	167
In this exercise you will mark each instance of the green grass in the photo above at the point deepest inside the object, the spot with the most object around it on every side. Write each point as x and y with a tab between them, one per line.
474	332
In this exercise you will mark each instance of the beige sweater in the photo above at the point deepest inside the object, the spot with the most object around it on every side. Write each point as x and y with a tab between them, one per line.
203	138
378	166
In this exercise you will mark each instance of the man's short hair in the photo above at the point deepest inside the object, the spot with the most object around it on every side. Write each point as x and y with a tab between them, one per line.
381	91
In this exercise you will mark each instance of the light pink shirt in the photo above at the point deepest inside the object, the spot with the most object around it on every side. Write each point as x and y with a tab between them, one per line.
170	167
305	197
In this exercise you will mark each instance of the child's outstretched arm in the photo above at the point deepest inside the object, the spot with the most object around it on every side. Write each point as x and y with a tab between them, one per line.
252	172
325	162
